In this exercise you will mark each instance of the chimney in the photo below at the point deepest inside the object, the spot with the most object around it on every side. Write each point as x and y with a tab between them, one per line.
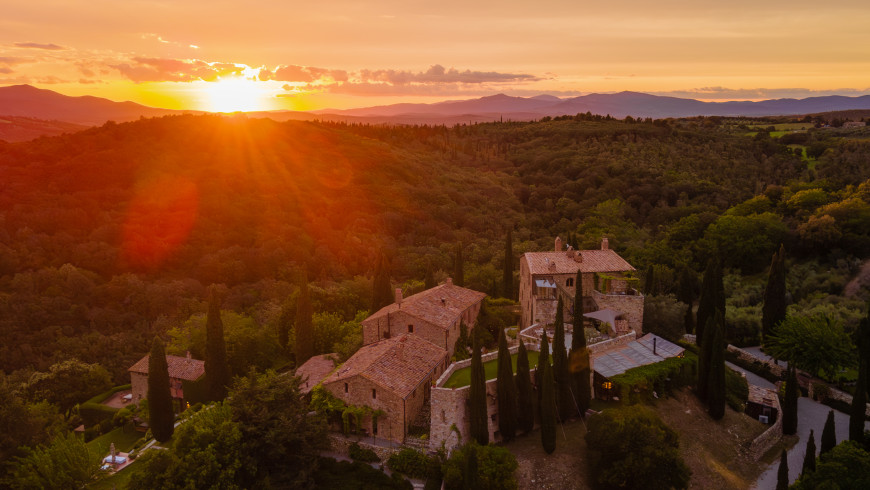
558	244
654	345
188	354
604	244
444	302
569	252
399	297
578	257
449	281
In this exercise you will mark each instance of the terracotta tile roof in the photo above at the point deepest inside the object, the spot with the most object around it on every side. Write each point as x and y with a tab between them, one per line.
314	370
561	263
179	367
762	396
399	364
441	305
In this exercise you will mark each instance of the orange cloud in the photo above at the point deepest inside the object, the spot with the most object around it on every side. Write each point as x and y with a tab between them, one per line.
49	47
173	70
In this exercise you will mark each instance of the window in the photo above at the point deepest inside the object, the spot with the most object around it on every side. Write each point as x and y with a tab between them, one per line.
410	328
374	394
569	282
345	387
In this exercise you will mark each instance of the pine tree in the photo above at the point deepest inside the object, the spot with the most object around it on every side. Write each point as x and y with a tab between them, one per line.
716	384
782	474
548	409
649	281
579	359
382	293
507	391
216	369
458	267
525	395
561	372
829	435
304	328
789	406
810	455
507	279
478	423
773	309
859	405
161	416
429	280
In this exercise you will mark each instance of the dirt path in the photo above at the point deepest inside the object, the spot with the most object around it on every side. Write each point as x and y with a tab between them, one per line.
862	279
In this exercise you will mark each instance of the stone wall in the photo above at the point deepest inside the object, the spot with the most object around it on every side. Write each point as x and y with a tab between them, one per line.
341	445
450	411
630	305
768	438
398	322
775	369
139	386
612	343
393	423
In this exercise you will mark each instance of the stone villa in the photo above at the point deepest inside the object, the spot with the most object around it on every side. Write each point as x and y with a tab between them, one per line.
182	372
547	276
433	315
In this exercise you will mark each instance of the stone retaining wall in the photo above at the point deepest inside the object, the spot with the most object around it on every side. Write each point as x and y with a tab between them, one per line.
341	445
768	438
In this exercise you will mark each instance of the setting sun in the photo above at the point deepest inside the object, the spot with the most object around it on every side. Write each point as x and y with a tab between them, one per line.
234	94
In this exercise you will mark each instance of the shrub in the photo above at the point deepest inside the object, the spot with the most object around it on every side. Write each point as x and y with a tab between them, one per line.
736	390
638	384
495	468
413	463
821	391
365	455
94	413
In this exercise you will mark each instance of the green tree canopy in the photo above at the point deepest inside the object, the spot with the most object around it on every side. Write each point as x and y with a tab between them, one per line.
632	448
67	383
817	344
496	468
65	463
846	466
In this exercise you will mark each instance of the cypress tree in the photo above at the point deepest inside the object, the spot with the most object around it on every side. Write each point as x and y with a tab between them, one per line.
304	328
161	416
810	455
525	396
507	391
773	309
712	297
687	296
649	281
704	360
477	397
458	266
543	358
859	404
782	474
216	369
548	409
789	407
716	384
507	279
579	360
561	372
829	435
429	280
382	293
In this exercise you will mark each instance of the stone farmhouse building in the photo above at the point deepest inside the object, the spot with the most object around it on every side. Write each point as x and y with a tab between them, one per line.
433	315
182	372
393	376
547	276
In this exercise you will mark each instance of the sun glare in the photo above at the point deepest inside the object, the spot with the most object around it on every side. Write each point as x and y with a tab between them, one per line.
234	94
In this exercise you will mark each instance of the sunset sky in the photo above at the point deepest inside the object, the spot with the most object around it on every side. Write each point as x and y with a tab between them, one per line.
287	54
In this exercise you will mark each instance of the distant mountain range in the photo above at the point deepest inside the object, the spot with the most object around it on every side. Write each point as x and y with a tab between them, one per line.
617	105
25	101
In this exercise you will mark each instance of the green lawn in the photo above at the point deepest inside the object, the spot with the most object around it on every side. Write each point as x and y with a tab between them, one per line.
462	377
123	439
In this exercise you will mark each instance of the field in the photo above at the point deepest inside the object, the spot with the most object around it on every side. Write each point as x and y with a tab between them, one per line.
462	377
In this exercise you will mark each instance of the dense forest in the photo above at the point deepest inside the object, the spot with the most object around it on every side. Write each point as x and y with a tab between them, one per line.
111	235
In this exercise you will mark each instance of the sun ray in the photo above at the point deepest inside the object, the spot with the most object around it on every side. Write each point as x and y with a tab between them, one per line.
234	94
